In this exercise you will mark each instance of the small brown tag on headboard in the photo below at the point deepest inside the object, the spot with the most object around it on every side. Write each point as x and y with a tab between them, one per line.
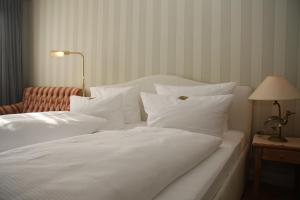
183	97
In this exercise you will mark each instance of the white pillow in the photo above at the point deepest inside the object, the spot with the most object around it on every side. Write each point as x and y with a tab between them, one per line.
108	108
130	102
197	114
199	90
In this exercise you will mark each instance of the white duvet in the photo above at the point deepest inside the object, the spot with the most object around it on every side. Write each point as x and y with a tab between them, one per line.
134	164
29	128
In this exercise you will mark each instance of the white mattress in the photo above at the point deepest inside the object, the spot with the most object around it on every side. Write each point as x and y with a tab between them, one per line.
204	181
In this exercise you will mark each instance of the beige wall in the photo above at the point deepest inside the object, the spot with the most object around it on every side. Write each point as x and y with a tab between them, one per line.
204	40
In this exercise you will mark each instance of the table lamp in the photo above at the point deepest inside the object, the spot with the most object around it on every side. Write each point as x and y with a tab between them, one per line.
58	53
276	88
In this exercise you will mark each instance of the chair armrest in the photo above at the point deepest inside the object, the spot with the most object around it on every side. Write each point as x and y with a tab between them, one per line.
11	109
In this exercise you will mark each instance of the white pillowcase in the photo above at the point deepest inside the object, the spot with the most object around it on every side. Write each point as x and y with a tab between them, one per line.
108	108
130	100
197	114
199	90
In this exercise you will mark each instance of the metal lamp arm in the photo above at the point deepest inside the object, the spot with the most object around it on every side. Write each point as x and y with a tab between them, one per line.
83	71
275	103
57	53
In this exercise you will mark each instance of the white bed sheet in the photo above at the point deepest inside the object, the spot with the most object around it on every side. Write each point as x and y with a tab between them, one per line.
134	125
204	181
17	130
112	165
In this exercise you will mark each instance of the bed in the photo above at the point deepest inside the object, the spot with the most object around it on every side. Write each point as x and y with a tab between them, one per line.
207	180
219	175
229	184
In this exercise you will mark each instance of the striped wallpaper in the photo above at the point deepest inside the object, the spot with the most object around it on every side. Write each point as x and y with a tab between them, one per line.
204	40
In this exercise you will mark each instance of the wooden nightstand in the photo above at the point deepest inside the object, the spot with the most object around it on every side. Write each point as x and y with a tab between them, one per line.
264	149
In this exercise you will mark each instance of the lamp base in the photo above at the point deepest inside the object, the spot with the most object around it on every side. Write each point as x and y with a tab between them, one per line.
277	138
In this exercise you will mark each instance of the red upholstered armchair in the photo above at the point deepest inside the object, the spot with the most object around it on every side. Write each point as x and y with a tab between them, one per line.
42	99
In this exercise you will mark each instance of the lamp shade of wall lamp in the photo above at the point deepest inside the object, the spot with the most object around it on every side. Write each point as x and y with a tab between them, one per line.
276	88
59	53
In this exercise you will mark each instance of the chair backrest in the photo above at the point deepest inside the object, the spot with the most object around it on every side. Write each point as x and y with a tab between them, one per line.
41	99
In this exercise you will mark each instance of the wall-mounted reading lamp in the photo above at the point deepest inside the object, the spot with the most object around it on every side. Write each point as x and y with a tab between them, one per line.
58	53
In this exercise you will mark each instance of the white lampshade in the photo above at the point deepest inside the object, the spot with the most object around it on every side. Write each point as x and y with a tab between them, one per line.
275	88
58	53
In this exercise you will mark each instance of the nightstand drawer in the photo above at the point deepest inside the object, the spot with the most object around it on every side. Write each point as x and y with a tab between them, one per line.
281	155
